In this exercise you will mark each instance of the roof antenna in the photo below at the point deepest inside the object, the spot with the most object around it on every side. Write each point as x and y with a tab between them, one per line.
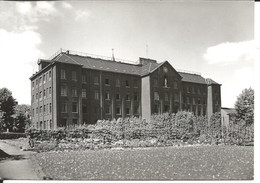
146	50
113	57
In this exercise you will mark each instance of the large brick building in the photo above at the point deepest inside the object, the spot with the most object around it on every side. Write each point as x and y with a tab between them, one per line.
74	88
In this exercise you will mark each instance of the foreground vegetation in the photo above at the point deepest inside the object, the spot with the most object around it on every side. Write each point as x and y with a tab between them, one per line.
163	130
165	163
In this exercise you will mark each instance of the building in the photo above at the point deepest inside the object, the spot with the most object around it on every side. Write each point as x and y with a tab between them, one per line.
74	88
227	117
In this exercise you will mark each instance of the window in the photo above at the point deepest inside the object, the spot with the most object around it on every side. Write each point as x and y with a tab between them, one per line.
33	113
49	75
84	93
117	82
63	74
156	109
63	107
96	95
127	111
44	109
44	94
108	109
166	97
193	101
40	110
135	83
155	82
175	85
198	90
106	81
63	91
127	83
44	125
74	107
118	110
50	91
193	90
176	97
165	82
198	100
117	96
74	75
166	108
47	107
40	81
84	109
33	85
107	95
136	109
204	101
44	78
84	78
74	92
50	124
96	81
50	108
32	98
127	97
75	121
96	110
188	100
40	96
135	96
37	110
63	122
156	96
36	96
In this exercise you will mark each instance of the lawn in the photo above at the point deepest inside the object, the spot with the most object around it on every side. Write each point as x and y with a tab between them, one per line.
166	163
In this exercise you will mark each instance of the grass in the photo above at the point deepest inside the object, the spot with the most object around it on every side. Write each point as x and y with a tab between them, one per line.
167	163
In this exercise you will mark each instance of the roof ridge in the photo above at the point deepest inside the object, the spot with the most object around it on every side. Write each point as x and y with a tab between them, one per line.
72	59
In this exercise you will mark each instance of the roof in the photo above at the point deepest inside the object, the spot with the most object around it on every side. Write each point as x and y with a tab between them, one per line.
228	110
121	67
196	78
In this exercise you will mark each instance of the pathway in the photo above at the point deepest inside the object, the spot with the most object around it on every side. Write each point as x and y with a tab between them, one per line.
18	166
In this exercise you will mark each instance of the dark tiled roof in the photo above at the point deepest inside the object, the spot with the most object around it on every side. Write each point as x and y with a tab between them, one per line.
193	78
121	67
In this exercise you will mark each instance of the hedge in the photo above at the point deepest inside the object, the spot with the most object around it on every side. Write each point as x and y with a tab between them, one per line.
165	129
11	135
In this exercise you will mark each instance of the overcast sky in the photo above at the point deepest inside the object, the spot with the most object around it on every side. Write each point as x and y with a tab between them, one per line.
213	38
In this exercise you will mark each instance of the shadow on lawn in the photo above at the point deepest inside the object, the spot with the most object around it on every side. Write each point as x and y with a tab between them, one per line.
5	156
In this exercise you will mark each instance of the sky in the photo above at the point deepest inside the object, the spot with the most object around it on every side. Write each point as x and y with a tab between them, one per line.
213	38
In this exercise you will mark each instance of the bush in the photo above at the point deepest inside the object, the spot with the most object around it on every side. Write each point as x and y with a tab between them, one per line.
11	135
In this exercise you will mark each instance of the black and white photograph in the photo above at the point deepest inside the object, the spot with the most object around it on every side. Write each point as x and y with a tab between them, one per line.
127	90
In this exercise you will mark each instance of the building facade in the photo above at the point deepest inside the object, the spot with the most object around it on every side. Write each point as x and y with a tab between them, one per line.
72	89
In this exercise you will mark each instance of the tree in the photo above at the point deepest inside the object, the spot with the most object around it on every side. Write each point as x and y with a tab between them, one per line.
244	107
22	119
7	106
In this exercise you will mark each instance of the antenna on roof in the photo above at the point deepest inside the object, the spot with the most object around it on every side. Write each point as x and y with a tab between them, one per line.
113	57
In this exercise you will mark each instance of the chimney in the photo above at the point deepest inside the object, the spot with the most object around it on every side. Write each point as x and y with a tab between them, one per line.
145	61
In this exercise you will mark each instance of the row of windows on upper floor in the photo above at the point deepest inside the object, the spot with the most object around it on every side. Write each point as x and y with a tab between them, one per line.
45	109
107	95
42	94
96	79
195	90
42	79
107	109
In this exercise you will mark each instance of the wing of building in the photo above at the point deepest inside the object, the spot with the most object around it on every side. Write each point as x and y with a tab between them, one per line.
72	88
